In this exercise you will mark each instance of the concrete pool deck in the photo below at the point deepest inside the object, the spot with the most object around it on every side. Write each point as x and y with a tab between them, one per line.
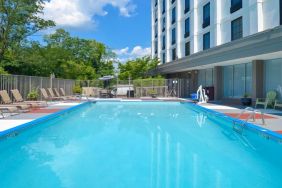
13	121
273	118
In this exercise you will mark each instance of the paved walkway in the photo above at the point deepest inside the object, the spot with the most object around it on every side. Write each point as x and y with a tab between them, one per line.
273	118
19	119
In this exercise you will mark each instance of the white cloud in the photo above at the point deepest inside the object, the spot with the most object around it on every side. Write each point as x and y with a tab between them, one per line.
125	54
123	51
77	13
138	51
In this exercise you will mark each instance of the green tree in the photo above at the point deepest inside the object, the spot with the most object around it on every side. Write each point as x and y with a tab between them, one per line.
137	69
18	20
61	54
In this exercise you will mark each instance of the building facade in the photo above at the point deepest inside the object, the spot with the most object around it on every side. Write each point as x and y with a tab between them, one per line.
234	46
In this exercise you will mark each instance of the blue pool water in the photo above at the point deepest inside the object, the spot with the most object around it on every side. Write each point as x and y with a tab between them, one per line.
139	144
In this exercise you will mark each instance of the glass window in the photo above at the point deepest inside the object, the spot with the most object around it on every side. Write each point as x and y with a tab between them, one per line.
187	48
187	6
206	41
236	29
164	6
163	24
156	15
273	76
228	81
156	2
235	5
172	1
173	36
156	47
156	30
235	2
187	27
163	47
206	15
209	77
174	54
205	77
249	78
201	78
237	80
164	58
173	15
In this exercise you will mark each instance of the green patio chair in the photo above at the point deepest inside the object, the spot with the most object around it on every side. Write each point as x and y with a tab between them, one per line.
269	101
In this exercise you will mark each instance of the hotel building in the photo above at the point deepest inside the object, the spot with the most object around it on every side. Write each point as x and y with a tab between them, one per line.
232	46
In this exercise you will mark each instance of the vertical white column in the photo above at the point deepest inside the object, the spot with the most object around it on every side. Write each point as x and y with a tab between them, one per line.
179	28
260	15
195	26
218	17
159	28
153	28
168	30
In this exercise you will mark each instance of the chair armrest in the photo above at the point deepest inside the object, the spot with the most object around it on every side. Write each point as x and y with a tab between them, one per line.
261	100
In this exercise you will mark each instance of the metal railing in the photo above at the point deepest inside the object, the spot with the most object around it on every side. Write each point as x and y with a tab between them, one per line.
141	87
26	84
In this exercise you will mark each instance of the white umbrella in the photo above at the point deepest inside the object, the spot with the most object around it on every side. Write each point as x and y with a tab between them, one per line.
105	78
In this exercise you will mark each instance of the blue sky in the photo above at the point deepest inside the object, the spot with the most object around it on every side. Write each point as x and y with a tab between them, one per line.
123	25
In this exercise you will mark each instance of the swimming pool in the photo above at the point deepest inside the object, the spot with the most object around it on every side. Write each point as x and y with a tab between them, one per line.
139	144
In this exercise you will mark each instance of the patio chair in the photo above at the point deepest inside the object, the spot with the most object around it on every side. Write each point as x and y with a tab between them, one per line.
104	93
56	91
62	90
270	99
19	99
8	109
277	104
52	95
8	102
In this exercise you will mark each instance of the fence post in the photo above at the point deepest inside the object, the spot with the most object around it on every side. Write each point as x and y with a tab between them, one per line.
30	84
41	85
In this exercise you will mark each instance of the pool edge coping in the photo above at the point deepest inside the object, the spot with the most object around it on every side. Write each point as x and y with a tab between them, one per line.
20	127
249	125
258	129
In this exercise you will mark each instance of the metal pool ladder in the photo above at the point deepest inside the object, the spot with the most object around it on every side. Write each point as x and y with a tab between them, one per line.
243	123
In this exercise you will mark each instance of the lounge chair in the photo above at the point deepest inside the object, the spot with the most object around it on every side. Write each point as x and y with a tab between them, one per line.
269	101
8	102
53	96
56	92
19	99
63	94
8	109
46	96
